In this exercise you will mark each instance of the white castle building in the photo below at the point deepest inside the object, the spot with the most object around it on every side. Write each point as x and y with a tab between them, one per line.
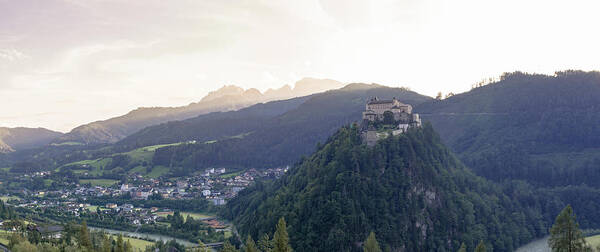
402	113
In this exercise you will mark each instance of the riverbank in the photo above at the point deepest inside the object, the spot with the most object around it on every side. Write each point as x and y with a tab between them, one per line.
144	236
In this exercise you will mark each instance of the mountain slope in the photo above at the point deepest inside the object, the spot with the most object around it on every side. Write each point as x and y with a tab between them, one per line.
12	139
225	99
266	141
410	190
538	128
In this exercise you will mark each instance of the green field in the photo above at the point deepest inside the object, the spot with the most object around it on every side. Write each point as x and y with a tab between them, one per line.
146	153
95	166
6	169
98	182
158	171
141	156
4	236
66	144
7	198
194	215
593	241
137	244
231	175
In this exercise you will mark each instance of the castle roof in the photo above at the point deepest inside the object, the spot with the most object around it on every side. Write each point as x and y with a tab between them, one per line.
380	101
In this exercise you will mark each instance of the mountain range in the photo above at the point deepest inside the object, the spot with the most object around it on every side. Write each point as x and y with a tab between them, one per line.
226	98
12	139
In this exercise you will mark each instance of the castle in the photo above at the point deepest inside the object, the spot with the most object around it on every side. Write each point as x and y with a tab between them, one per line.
387	112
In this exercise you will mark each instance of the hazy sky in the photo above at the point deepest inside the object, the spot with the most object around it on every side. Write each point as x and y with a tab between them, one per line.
68	62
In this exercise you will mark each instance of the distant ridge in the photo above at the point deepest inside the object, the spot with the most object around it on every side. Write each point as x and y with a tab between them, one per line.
227	98
12	139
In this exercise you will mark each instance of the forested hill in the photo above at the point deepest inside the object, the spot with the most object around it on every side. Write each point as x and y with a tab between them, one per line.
260	141
409	189
227	98
543	129
12	139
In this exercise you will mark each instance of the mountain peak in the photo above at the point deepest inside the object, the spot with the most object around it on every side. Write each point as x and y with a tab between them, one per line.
310	85
223	91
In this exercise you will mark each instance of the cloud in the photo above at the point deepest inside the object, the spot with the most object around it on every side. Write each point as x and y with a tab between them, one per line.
12	55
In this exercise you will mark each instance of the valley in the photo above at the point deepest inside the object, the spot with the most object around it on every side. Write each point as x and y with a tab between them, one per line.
225	168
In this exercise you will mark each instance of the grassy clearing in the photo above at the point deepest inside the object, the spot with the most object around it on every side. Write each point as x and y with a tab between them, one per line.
138	169
7	198
6	169
98	182
5	236
95	166
146	153
593	241
231	175
194	215
158	171
137	244
66	144
240	136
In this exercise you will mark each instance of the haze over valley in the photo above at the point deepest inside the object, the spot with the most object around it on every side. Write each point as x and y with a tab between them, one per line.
324	125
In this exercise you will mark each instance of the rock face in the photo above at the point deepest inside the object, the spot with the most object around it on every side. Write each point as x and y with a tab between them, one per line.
12	139
227	98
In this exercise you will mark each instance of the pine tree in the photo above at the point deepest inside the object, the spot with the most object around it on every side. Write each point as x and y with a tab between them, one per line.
227	247
463	248
106	244
565	234
250	245
280	238
480	247
15	239
120	246
128	247
371	244
264	244
84	236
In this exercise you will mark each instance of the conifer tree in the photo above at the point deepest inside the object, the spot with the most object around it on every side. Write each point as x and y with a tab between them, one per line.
264	244
227	247
463	248
128	247
565	234
371	244
84	236
106	244
250	245
480	247
120	246
280	238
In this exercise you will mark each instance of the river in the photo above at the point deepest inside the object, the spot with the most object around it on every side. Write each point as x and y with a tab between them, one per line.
539	245
154	237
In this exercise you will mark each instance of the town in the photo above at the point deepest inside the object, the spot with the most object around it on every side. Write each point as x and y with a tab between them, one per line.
138	200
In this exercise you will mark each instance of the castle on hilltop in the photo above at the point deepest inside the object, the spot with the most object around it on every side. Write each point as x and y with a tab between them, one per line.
387	114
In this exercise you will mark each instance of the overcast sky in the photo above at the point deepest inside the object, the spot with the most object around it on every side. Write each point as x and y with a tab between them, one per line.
69	62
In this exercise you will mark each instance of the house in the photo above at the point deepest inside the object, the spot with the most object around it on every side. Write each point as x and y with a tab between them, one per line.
182	184
205	193
53	231
125	187
127	208
111	205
